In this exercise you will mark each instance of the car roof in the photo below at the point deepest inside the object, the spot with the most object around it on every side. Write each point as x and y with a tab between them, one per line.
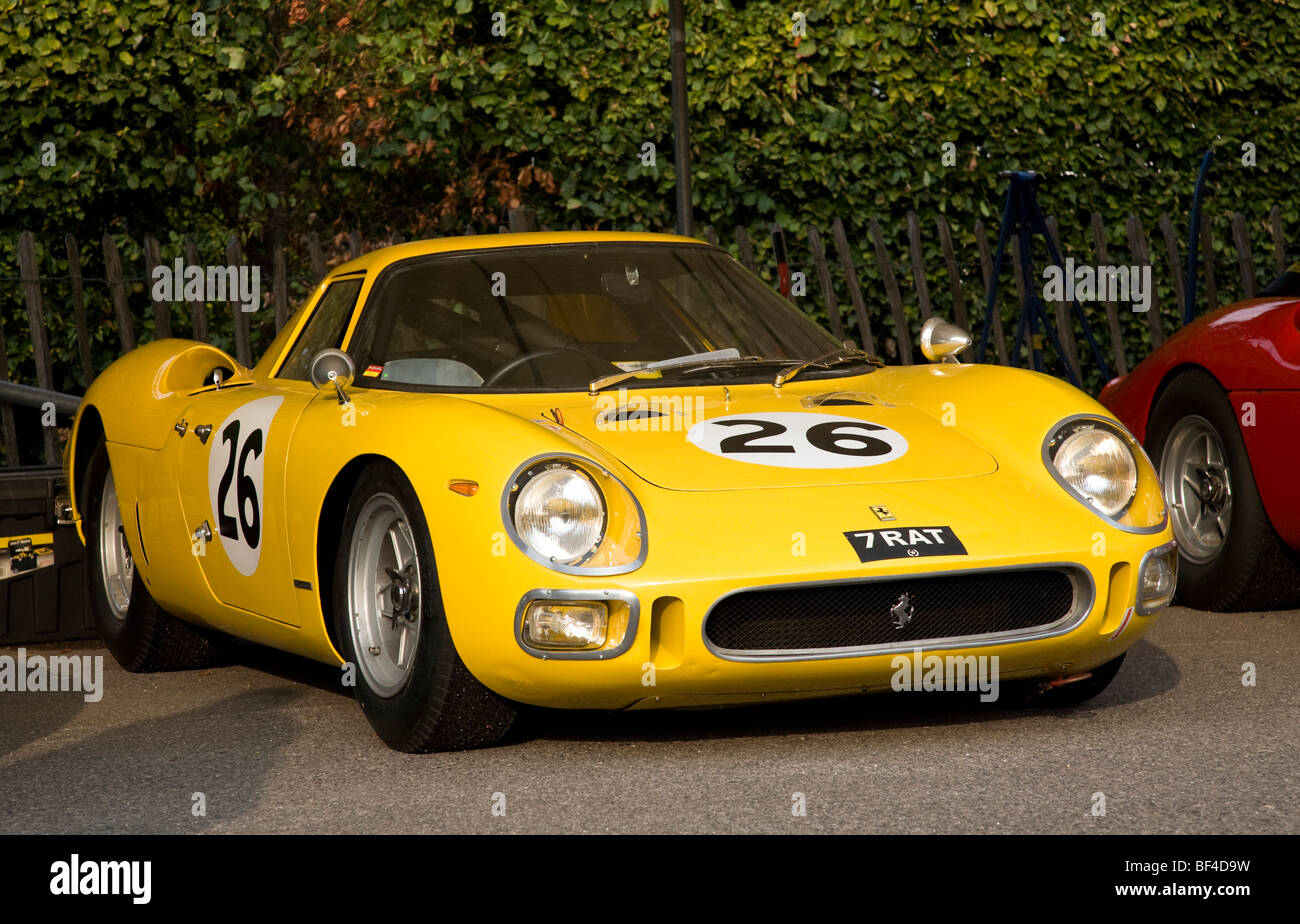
377	259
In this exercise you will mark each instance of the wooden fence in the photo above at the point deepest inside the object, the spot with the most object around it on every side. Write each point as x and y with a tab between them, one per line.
855	289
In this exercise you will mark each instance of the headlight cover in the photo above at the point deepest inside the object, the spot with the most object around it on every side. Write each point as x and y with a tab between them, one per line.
1102	465
559	512
572	515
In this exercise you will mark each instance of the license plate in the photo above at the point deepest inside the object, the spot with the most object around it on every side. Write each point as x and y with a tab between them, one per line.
905	542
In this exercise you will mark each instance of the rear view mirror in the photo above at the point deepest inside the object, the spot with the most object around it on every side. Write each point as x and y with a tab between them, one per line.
625	287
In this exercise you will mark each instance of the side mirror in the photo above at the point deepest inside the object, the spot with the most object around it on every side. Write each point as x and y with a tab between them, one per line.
218	375
943	341
333	367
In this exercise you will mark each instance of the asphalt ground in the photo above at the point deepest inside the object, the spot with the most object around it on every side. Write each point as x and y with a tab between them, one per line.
1176	744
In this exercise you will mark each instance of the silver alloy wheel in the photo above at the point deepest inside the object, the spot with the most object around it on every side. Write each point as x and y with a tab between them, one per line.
1198	488
115	563
384	595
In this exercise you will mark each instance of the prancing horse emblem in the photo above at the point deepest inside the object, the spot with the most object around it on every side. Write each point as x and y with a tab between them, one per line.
900	614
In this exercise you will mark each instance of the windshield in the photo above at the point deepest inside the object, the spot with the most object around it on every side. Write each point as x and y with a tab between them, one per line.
555	317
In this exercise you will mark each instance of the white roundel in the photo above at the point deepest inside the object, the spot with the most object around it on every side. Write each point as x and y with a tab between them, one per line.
236	452
793	439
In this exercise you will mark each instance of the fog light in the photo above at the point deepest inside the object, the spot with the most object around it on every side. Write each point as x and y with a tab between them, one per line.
566	626
1157	578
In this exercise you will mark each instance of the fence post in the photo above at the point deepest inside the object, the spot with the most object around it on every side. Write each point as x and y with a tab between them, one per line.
520	220
243	351
918	265
827	286
1171	252
954	275
354	244
8	432
1245	260
1137	245
279	284
1207	261
315	255
198	308
902	334
1064	319
30	272
162	322
79	308
865	338
745	249
710	235
1112	313
117	291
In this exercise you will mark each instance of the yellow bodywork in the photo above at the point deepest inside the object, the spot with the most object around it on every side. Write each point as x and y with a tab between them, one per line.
713	526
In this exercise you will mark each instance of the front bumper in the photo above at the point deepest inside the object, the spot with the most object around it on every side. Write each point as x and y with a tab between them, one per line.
666	659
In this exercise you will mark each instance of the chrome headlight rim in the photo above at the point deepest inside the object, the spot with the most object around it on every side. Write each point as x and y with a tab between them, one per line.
1055	436
586	467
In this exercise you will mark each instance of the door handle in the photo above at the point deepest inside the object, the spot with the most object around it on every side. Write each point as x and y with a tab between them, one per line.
203	431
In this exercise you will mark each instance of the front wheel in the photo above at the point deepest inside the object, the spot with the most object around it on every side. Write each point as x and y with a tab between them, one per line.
1231	558
412	685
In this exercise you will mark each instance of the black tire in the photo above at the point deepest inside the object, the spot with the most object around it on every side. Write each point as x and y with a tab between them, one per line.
1252	570
1039	694
146	637
441	706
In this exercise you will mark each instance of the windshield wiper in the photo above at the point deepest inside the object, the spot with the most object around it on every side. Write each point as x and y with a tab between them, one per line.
690	359
835	358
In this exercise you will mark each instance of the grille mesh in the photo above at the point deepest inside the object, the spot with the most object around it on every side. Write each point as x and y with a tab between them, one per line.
858	615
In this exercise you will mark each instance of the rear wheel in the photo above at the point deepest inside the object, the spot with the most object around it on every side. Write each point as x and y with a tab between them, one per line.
412	685
139	633
1231	558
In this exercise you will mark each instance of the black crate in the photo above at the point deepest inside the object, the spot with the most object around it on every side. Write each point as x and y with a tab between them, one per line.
40	603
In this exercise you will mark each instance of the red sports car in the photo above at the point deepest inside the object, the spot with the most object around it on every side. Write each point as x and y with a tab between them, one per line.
1218	409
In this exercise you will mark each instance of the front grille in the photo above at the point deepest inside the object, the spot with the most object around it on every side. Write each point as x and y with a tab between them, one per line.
858	615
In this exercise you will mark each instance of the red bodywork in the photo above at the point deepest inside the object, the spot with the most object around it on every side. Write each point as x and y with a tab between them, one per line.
1253	349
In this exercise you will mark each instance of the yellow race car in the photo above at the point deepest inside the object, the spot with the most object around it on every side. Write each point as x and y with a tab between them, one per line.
614	471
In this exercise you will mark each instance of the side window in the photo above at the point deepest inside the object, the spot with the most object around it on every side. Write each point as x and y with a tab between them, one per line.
325	329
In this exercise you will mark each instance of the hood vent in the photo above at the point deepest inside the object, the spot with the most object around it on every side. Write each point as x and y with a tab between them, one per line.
843	398
625	414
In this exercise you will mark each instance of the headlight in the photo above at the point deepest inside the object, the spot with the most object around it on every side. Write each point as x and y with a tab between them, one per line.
1097	460
1098	465
573	515
558	512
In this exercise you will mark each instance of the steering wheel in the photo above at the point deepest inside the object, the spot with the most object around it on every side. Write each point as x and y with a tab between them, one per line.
518	361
